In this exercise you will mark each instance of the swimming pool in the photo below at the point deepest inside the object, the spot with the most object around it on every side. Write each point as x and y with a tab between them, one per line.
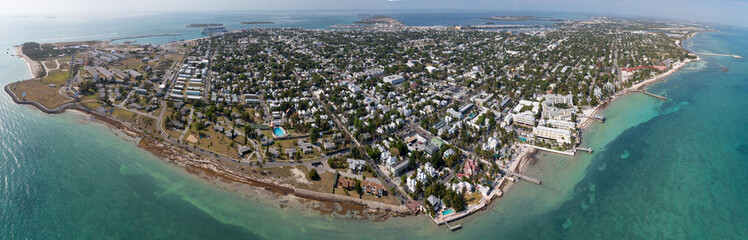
279	132
448	211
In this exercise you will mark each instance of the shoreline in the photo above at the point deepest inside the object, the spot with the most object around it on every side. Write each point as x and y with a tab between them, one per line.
201	166
34	66
195	164
528	154
176	155
209	166
638	86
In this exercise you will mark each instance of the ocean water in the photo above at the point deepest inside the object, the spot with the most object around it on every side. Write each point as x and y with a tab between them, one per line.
468	17
661	170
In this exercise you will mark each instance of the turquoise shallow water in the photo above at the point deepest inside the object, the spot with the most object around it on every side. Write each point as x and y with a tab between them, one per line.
661	170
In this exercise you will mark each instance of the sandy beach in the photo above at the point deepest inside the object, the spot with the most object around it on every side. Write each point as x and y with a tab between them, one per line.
34	66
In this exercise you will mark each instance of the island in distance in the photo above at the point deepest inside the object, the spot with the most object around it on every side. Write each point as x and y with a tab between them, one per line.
521	18
511	18
205	25
258	22
380	19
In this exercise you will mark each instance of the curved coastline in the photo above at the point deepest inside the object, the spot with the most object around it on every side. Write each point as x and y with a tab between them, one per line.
185	159
38	105
176	155
168	152
34	66
638	86
525	157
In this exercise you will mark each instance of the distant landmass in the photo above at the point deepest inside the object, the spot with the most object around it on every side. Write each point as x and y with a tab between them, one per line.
511	18
521	18
380	19
204	25
258	22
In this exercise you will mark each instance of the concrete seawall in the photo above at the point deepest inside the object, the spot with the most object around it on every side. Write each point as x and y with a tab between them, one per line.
286	189
226	173
327	197
36	104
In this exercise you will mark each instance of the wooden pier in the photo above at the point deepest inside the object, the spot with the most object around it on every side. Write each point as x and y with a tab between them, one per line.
661	98
454	228
599	118
526	178
587	150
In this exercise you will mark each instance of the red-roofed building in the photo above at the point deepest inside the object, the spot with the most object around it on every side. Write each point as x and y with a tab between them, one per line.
345	183
372	188
470	168
368	187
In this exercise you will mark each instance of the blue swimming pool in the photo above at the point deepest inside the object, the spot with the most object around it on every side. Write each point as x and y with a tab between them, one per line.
448	211
279	132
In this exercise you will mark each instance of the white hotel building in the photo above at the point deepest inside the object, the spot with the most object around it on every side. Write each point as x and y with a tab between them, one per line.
525	118
560	135
562	124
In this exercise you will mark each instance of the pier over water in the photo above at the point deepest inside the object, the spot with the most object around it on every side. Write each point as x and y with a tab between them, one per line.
526	178
587	150
653	95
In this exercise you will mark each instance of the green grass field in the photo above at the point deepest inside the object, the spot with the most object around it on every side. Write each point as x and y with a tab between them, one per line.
56	77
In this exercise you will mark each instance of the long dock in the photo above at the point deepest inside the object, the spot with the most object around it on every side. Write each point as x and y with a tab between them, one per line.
526	178
454	228
654	95
550	150
587	150
598	118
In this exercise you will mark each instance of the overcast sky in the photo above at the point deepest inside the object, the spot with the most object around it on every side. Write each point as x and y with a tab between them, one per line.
732	12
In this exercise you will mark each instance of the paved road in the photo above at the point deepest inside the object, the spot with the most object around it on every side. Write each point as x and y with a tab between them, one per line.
387	183
255	145
187	127
127	97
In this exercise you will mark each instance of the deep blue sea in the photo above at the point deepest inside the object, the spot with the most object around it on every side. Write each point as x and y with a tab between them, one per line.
661	170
